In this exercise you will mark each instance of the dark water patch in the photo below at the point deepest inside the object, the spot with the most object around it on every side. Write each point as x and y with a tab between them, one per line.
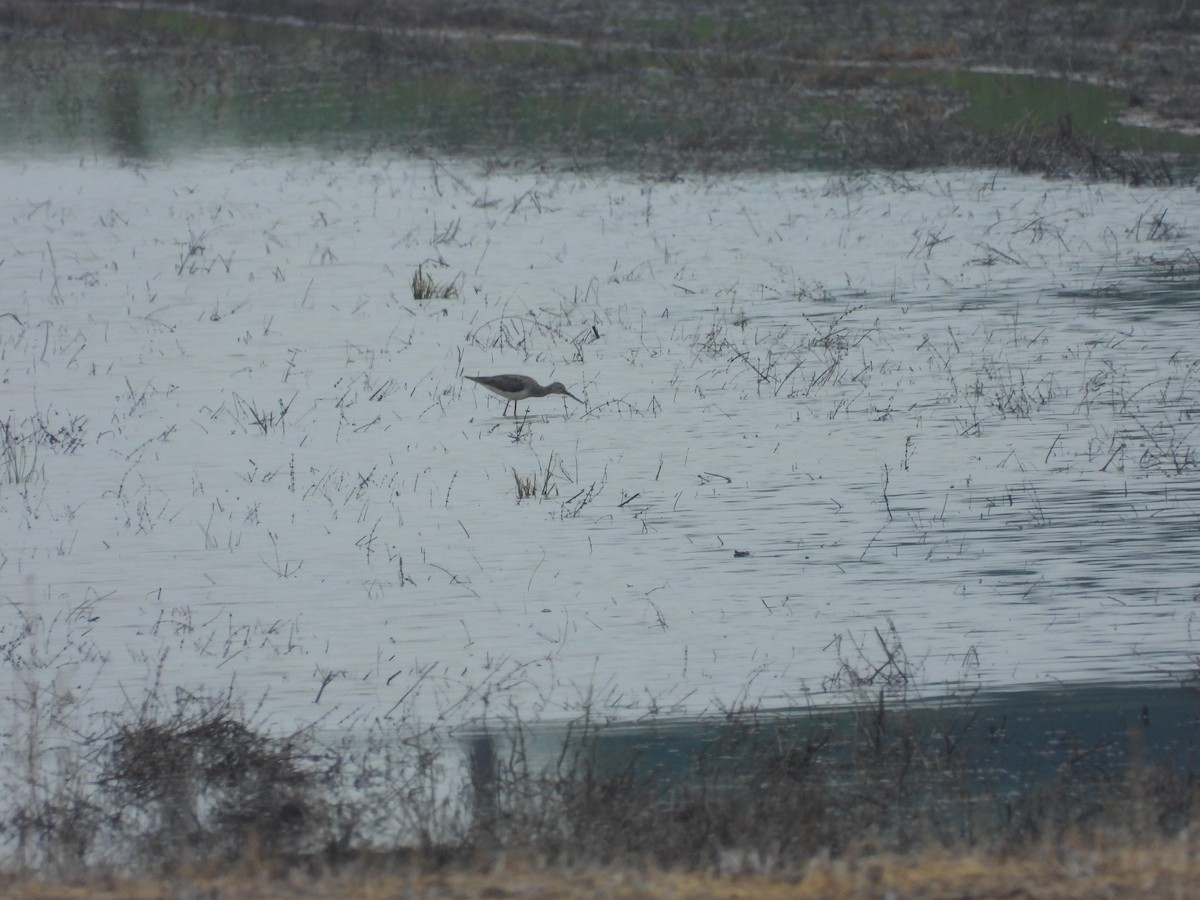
1024	734
995	747
1149	302
968	769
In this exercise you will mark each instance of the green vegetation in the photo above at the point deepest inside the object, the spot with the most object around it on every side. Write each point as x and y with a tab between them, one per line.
656	85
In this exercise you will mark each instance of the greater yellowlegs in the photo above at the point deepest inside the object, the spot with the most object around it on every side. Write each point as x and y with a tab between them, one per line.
519	387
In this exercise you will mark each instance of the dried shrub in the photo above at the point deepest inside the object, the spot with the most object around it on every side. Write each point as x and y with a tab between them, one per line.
201	784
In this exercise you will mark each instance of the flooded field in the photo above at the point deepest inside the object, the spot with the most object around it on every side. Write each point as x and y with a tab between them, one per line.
868	525
830	422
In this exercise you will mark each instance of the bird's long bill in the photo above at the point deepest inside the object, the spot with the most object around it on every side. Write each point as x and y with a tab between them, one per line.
573	397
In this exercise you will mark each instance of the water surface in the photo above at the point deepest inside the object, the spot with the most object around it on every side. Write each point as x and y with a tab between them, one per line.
948	417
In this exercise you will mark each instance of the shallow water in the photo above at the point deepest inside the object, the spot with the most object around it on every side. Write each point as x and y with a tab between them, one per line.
956	409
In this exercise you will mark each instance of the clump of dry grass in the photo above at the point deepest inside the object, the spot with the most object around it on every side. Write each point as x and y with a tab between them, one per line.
19	453
527	486
425	288
20	443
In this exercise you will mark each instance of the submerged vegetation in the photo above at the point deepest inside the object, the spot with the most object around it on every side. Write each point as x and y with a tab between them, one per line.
1101	90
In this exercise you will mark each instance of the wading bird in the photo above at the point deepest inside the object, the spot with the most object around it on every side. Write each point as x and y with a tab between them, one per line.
519	387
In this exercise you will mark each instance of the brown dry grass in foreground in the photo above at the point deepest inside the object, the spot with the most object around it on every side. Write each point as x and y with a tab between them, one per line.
886	799
1170	869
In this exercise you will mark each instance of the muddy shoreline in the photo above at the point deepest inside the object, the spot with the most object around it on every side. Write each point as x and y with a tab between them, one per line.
664	86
